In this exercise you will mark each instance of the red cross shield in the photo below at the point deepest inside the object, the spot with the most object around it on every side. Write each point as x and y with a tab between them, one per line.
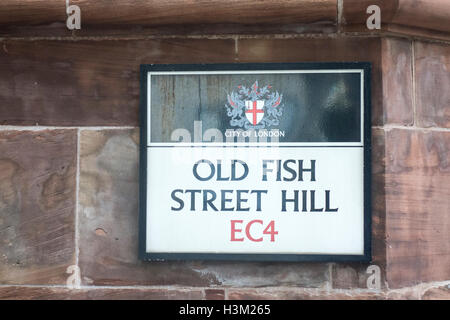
254	111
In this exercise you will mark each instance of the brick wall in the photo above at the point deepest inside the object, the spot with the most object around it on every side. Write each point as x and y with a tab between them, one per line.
69	167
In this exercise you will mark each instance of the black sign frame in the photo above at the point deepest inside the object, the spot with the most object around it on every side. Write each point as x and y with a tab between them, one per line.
147	256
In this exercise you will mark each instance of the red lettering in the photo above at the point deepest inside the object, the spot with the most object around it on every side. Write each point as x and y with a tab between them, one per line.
247	231
270	229
234	230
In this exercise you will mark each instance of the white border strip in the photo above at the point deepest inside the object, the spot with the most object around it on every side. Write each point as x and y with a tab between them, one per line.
254	144
160	73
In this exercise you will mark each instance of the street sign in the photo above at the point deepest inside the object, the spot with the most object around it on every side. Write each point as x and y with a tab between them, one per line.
267	162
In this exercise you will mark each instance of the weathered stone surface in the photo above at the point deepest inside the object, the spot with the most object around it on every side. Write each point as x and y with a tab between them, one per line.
378	199
214	294
108	220
40	17
174	30
417	202
37	205
69	82
411	293
397	81
427	14
153	12
354	14
440	293
320	50
355	11
349	276
57	293
301	294
88	83
432	78
354	275
417	33
100	18
262	274
415	15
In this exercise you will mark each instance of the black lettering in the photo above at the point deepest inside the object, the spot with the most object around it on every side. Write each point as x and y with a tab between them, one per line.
193	192
258	198
224	200
290	170
219	172
265	169
313	199
233	170
304	200
209	201
284	200
239	200
211	166
327	202
312	170
174	197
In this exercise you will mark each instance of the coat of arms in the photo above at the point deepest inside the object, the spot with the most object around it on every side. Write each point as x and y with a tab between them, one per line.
254	107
